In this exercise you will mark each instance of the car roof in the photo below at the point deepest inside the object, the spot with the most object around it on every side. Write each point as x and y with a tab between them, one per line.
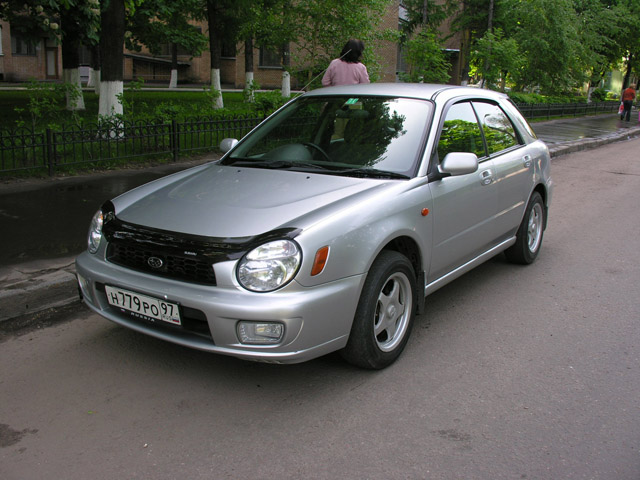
414	90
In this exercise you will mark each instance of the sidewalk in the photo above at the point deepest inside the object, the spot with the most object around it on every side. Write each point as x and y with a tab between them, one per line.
44	222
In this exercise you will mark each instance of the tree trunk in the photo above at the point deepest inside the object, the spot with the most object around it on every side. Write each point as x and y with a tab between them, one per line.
173	83
215	51
71	61
627	75
111	56
286	77
94	72
248	69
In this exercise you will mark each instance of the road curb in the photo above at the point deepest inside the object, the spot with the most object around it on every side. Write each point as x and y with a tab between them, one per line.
589	143
30	288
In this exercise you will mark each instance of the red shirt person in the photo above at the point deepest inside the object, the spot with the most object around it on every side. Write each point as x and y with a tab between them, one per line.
628	96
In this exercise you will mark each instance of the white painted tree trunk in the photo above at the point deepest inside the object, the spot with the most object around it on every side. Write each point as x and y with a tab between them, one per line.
173	83
109	104
286	84
217	86
72	76
248	86
96	81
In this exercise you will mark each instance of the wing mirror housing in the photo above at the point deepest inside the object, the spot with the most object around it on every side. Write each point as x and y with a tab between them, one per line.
458	163
227	144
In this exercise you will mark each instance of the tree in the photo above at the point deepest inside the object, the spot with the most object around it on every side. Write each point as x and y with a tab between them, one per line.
70	22
79	21
166	22
322	29
494	57
426	59
112	20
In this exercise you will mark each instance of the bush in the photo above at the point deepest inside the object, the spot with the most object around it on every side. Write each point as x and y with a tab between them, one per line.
599	95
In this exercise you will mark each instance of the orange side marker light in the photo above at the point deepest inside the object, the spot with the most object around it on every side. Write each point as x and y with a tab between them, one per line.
320	261
425	212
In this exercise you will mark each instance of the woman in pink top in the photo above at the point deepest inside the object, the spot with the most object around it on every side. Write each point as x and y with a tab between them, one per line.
347	70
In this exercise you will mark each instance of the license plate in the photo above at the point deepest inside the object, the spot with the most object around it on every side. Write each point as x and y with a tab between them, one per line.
144	307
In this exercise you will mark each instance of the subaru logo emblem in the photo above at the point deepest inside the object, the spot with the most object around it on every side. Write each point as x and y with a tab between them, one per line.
155	262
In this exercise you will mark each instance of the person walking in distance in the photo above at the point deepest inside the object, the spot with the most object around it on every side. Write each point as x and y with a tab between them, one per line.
628	96
348	69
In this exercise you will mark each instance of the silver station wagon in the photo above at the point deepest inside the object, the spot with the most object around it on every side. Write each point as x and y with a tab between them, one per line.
326	227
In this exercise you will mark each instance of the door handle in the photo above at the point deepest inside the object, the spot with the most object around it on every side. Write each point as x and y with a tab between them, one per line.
486	177
527	160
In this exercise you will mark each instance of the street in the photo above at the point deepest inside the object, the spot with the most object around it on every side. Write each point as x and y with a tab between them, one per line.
511	373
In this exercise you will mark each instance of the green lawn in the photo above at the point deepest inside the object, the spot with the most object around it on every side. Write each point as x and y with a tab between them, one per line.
179	105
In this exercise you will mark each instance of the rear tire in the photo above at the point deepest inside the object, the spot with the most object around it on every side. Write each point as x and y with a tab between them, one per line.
384	317
529	234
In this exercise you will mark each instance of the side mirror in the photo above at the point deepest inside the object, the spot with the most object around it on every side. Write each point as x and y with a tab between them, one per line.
227	144
459	163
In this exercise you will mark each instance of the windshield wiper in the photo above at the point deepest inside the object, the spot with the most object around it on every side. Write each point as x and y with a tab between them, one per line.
372	173
274	164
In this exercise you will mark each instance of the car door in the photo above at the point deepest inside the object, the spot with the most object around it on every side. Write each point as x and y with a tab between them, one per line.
464	206
513	166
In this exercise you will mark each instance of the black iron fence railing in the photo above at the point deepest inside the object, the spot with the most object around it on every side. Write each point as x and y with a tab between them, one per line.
51	150
532	111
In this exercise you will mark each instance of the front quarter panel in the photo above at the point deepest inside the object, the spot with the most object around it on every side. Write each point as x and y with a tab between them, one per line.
357	234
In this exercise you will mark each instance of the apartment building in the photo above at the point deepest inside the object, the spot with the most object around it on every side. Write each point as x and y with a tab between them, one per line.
22	60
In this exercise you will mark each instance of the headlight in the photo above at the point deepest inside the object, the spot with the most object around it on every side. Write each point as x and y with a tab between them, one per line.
270	266
95	232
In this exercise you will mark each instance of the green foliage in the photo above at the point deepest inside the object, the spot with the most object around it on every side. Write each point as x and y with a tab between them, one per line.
426	60
42	105
45	105
249	91
159	22
599	95
494	57
266	102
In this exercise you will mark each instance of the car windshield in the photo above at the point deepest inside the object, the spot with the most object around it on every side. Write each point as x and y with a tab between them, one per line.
369	136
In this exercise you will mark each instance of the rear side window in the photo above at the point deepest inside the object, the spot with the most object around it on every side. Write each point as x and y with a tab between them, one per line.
460	132
498	129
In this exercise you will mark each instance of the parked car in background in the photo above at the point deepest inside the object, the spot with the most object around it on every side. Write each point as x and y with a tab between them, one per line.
326	227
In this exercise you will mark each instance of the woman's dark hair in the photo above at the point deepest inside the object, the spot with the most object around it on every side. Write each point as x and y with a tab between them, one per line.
352	51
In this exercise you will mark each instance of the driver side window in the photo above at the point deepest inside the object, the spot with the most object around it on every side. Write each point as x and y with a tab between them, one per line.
461	132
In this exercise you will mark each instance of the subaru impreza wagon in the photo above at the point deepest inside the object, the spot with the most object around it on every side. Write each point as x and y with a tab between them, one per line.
324	228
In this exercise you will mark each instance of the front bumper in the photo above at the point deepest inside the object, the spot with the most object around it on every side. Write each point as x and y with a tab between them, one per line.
316	320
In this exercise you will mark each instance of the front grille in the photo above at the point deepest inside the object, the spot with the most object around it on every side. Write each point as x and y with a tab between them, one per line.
180	256
175	265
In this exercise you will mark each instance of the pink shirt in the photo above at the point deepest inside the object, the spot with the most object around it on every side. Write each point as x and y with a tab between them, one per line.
344	73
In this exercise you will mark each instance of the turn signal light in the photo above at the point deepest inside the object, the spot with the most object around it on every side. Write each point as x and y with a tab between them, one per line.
320	261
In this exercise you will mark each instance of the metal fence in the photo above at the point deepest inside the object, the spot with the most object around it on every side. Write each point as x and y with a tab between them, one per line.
547	111
51	150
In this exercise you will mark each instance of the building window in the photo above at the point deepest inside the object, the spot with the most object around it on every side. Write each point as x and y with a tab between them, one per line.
228	49
270	57
22	46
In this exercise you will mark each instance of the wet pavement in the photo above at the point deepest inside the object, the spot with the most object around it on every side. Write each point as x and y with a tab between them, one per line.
44	222
574	129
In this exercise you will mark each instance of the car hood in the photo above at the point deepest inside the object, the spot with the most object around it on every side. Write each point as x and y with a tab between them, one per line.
225	201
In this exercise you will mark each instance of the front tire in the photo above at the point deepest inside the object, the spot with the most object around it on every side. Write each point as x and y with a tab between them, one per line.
384	317
529	234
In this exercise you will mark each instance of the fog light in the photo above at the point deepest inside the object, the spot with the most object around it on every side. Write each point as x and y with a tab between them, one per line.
260	333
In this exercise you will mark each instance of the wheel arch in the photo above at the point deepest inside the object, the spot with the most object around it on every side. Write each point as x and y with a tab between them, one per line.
409	248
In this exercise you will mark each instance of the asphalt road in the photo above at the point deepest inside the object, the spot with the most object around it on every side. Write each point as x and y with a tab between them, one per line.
512	373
